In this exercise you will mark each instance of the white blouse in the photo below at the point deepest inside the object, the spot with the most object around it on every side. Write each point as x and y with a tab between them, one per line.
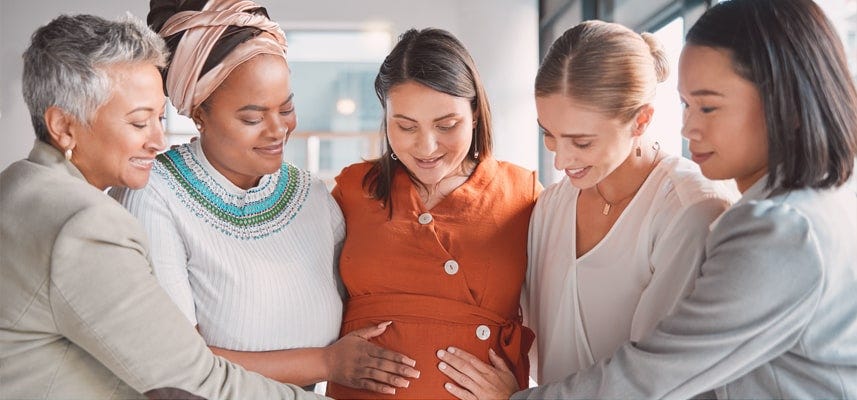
582	309
254	269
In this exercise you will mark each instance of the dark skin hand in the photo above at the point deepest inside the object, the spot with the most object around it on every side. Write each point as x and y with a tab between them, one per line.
473	379
360	364
351	361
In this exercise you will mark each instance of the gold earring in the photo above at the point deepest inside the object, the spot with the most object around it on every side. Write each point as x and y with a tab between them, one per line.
67	154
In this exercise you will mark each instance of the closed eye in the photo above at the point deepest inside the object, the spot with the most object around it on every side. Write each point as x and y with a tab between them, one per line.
582	145
446	127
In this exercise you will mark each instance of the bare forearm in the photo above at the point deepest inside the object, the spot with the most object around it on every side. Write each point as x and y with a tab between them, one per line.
296	366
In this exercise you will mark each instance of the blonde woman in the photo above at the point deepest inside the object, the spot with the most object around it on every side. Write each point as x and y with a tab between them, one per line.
617	244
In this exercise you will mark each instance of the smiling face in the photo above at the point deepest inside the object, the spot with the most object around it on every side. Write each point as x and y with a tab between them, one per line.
724	117
588	146
119	145
246	121
429	131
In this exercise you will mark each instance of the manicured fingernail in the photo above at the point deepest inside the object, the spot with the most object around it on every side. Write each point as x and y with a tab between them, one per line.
384	324
412	363
390	390
492	351
441	353
441	366
448	386
451	350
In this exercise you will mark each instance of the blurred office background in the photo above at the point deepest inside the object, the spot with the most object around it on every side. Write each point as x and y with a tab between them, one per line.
336	47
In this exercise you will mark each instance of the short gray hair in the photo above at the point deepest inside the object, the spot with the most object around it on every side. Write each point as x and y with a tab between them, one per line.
65	65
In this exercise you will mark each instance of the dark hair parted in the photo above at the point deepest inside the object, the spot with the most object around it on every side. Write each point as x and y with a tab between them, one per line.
605	65
789	50
161	10
436	59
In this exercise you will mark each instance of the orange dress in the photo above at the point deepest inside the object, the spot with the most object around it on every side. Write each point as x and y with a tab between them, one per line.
449	276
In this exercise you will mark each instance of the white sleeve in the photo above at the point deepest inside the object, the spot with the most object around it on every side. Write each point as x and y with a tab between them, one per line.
758	288
527	303
168	254
338	226
676	256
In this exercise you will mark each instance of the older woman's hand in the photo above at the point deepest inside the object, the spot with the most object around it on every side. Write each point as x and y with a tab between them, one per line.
476	379
354	361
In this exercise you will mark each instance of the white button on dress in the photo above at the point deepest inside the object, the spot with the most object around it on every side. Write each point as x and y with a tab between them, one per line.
425	218
483	332
451	267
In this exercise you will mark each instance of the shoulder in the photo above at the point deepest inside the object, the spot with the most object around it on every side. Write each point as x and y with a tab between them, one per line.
682	179
514	171
559	194
684	194
355	172
40	189
771	226
350	179
513	177
768	243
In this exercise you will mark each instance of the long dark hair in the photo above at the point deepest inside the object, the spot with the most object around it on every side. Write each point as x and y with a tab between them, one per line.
436	59
789	50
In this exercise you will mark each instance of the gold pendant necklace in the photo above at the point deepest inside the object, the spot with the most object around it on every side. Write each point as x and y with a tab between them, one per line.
608	205
606	209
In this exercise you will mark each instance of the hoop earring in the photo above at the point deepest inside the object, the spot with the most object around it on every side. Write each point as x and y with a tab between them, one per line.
67	154
394	156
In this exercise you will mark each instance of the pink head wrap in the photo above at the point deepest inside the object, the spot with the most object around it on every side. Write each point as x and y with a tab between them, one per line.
203	29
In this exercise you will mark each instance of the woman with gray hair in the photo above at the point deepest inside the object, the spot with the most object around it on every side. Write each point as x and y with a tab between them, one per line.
83	316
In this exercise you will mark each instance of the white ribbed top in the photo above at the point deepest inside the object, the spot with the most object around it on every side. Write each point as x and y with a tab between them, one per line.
253	285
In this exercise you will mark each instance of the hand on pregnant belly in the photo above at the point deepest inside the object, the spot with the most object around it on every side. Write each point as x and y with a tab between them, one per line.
475	379
355	362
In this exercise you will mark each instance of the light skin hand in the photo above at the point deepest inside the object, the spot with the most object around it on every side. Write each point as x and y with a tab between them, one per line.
355	362
473	379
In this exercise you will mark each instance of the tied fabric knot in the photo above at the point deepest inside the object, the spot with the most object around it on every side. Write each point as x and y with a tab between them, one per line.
203	29
515	341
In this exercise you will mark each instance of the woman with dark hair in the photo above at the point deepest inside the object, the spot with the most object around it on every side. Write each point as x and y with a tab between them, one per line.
769	103
82	316
243	242
436	227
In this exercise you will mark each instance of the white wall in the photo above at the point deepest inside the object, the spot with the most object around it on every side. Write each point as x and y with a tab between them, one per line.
502	35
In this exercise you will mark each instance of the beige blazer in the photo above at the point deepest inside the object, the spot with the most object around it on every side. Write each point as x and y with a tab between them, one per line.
82	315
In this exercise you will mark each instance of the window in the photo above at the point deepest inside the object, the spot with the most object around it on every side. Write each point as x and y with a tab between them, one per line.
666	124
333	75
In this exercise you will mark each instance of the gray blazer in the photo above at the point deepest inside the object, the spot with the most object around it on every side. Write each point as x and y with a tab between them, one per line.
82	315
773	314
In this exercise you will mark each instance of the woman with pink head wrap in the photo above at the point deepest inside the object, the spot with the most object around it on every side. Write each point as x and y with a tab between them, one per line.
246	244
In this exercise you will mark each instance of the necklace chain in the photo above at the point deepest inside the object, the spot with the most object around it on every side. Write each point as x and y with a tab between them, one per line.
608	205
